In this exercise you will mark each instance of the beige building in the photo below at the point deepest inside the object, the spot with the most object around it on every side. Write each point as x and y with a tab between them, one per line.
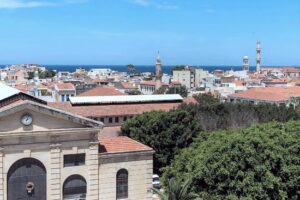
189	77
46	153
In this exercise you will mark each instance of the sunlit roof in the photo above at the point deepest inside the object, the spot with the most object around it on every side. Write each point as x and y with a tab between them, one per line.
7	91
125	99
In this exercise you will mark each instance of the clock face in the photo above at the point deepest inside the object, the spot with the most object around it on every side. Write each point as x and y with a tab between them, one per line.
26	119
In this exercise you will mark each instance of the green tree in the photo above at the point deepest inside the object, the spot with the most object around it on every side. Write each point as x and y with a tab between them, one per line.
166	132
46	74
182	90
178	68
134	92
175	190
260	162
161	90
132	69
30	75
206	99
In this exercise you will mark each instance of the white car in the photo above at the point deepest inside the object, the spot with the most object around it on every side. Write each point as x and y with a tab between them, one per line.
155	181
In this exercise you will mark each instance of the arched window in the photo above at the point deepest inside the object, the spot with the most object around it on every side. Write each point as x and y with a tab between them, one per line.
74	188
26	179
122	184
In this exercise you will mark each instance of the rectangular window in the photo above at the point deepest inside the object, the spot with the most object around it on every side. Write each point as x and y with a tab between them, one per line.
110	120
74	160
124	119
116	119
102	119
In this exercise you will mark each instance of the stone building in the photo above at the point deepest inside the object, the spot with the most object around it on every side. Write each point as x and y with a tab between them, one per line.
46	153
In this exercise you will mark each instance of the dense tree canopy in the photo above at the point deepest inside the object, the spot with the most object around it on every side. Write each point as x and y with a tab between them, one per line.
182	90
134	92
260	162
42	74
175	190
166	132
206	99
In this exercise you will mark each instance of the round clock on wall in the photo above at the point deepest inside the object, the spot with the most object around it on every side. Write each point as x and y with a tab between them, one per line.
26	119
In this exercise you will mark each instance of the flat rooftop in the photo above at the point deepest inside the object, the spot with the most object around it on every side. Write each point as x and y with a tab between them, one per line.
125	99
7	91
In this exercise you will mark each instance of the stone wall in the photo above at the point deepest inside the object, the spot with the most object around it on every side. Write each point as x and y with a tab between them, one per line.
140	169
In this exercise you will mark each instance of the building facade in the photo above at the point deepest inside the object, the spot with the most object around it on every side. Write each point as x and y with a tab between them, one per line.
46	153
189	77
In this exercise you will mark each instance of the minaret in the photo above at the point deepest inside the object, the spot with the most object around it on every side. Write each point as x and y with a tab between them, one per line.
246	63
158	73
258	56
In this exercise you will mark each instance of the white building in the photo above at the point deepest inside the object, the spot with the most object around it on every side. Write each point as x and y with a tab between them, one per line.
102	72
189	77
63	91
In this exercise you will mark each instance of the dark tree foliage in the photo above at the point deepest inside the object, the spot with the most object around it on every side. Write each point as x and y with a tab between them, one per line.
182	90
46	74
42	74
30	75
206	99
229	115
134	92
166	132
132	69
176	190
260	162
178	68
161	90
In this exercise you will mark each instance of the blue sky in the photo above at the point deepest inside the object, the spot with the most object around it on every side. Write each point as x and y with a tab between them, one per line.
196	32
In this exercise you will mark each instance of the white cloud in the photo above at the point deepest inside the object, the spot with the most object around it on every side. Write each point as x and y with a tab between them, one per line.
159	4
11	4
15	4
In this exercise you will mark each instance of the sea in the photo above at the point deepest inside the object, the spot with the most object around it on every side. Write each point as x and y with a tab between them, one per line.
141	68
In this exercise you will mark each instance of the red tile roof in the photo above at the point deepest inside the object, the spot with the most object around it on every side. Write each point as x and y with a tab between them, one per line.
152	83
273	94
102	91
110	131
25	87
113	109
128	85
65	86
100	80
121	144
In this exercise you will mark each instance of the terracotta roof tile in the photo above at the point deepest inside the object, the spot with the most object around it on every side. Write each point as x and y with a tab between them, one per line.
128	85
269	93
110	131
148	83
102	91
65	86
113	109
120	144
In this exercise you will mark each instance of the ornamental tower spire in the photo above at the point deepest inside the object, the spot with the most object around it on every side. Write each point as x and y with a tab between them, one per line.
258	56
158	73
246	63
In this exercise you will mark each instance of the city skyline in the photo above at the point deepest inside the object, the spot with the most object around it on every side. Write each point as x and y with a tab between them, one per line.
119	32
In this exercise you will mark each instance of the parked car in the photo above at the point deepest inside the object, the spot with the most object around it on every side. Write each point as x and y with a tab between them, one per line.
155	181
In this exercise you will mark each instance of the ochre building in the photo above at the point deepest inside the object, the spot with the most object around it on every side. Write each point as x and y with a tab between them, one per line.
46	153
